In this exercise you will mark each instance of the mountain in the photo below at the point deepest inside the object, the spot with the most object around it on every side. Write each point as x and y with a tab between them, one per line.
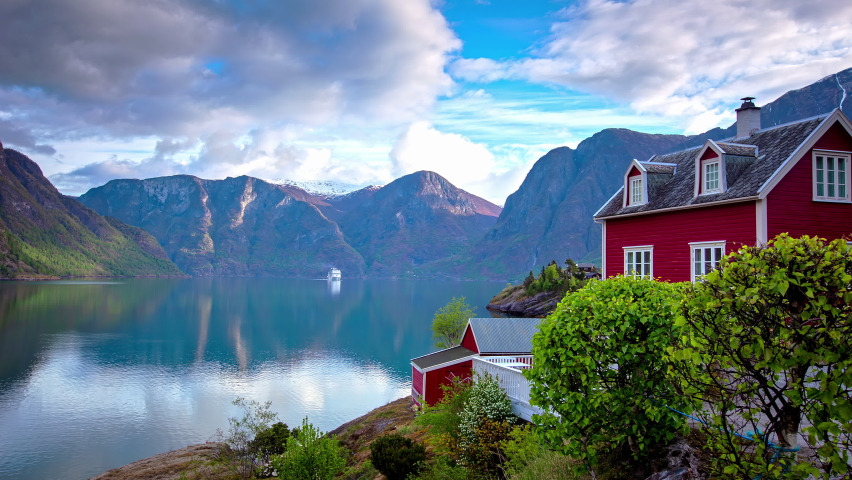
234	227
550	216
44	233
414	220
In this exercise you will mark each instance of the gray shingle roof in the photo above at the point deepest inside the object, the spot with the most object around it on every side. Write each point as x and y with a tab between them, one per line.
658	168
504	335
442	356
745	175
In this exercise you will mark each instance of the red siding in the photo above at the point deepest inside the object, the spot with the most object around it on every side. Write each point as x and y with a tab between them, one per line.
671	232
443	376
417	380
468	341
633	172
790	205
708	154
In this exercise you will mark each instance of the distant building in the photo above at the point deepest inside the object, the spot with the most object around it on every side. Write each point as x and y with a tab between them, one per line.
678	214
500	346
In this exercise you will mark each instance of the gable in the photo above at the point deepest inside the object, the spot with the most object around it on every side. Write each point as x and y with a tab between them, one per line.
633	172
468	340
708	154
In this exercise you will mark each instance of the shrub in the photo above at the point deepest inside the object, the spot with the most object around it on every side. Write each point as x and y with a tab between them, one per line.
269	442
309	455
397	457
443	417
601	371
240	453
766	346
484	423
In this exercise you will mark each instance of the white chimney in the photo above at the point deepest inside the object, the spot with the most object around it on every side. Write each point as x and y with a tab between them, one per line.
748	118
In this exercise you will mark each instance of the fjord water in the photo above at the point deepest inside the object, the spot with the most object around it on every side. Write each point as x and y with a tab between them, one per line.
98	374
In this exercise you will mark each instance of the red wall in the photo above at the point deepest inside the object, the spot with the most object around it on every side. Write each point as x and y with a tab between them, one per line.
417	380
671	232
468	341
708	154
790	205
443	376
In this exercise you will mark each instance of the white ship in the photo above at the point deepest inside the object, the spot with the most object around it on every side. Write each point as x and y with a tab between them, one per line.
334	275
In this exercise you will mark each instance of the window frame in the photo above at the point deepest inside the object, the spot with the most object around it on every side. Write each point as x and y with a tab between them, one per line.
693	246
847	156
640	249
705	165
633	190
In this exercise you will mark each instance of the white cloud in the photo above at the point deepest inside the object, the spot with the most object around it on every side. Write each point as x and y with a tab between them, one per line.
684	58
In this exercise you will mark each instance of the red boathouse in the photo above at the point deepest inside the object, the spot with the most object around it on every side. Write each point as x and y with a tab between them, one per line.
505	341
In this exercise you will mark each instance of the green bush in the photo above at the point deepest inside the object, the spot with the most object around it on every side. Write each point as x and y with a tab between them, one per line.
601	368
766	344
270	441
484	423
239	454
309	455
397	457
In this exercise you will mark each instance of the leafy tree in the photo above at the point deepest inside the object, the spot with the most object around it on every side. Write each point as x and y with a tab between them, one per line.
601	370
310	455
240	454
449	322
397	457
271	441
766	346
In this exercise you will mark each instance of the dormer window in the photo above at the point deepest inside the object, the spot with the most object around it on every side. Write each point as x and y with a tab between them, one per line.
831	177
711	177
637	191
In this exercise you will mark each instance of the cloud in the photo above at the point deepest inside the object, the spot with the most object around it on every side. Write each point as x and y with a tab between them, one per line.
679	58
189	68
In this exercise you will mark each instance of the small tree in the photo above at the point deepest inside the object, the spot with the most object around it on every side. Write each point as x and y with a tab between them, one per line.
449	322
310	455
770	333
601	372
239	453
397	457
485	422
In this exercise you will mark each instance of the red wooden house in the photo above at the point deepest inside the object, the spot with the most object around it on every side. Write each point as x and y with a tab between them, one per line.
503	341
677	214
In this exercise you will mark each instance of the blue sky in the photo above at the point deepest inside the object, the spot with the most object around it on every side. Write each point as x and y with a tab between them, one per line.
364	91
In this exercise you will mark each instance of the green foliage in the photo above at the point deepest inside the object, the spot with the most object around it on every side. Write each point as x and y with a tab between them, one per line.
240	454
444	469
485	422
553	278
397	457
528	459
765	340
443	418
601	366
271	441
449	322
309	455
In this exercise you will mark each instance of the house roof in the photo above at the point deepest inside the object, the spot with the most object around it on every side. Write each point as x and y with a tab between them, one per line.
440	357
773	147
504	335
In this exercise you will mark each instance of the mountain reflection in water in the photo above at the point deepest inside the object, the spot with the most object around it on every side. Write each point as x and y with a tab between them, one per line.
94	375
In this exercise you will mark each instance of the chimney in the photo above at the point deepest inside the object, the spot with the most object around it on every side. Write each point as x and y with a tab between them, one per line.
748	118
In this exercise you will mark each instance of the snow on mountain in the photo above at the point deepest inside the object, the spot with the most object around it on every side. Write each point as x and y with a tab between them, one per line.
321	188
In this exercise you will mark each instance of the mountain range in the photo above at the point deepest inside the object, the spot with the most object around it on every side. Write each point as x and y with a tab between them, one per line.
419	225
44	233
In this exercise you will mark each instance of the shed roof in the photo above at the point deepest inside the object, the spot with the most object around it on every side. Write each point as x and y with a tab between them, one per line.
442	356
504	335
774	146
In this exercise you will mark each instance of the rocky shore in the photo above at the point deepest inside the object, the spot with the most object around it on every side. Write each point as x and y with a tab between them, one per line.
514	302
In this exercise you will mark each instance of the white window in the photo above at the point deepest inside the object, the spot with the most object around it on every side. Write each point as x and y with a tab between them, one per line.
637	193
638	261
711	177
831	176
706	257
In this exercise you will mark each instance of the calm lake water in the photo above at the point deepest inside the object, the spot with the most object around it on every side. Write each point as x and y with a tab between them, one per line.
95	375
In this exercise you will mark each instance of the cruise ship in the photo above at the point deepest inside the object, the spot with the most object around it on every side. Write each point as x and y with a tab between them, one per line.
334	275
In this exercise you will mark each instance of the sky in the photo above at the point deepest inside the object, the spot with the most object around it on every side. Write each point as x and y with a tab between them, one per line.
365	91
